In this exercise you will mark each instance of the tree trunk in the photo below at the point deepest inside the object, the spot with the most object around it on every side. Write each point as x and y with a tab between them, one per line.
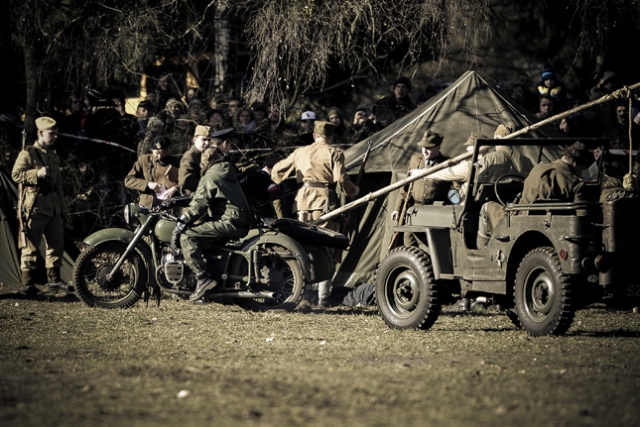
31	100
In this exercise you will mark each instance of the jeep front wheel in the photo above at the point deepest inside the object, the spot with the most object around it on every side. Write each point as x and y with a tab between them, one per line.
405	290
543	294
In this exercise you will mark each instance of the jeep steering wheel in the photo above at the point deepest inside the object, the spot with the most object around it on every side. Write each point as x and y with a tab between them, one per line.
508	177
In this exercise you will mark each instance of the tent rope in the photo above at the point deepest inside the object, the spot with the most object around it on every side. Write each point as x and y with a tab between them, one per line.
629	180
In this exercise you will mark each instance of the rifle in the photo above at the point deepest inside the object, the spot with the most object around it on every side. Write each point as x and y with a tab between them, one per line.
22	233
349	219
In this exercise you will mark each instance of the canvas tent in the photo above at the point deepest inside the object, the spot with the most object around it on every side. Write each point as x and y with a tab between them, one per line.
10	263
470	104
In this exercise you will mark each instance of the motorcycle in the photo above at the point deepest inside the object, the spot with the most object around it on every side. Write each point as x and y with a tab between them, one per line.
267	269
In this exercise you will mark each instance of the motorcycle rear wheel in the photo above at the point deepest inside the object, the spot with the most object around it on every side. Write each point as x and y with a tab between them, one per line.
281	273
90	276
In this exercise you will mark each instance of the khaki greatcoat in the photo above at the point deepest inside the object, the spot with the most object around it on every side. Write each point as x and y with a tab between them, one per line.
43	206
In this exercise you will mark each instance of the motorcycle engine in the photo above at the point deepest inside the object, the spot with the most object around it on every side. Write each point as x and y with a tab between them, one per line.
172	268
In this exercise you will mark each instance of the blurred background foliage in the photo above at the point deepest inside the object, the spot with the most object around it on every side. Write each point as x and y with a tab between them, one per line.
303	52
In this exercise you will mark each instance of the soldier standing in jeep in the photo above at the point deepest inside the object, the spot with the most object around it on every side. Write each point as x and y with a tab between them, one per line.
424	191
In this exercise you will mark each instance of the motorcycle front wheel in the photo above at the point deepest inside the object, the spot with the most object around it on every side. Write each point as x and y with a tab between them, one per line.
279	272
94	284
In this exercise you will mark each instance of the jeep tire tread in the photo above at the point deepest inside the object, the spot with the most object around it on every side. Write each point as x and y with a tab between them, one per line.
543	294
406	294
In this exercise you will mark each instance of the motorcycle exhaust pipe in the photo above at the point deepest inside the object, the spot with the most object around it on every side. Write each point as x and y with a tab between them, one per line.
247	294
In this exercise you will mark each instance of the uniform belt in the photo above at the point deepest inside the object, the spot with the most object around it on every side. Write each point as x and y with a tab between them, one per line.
315	184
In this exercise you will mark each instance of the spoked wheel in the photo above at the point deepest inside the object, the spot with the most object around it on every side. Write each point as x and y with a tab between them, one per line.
98	285
405	290
278	272
543	294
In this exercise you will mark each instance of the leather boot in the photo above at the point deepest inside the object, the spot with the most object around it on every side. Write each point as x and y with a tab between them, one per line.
54	283
309	293
204	283
26	278
28	284
324	292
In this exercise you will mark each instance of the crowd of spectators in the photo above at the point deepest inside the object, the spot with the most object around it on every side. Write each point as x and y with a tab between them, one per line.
98	118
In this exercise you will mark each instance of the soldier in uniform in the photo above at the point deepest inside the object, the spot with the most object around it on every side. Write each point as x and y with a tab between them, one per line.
189	174
505	160
320	169
217	212
154	175
560	179
37	168
423	191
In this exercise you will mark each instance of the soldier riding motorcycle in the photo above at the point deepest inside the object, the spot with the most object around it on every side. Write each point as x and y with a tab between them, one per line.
267	269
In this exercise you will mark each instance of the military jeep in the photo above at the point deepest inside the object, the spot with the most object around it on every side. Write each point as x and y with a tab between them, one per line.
542	262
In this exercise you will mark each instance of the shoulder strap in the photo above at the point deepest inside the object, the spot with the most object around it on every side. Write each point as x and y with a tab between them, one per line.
35	155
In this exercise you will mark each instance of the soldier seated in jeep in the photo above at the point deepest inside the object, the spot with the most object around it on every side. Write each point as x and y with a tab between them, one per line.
544	259
559	180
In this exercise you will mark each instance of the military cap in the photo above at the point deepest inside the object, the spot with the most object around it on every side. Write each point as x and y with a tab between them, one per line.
160	142
430	140
222	132
201	131
46	123
211	154
324	128
502	131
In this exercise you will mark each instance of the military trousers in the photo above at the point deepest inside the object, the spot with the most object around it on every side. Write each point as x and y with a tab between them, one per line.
51	228
196	240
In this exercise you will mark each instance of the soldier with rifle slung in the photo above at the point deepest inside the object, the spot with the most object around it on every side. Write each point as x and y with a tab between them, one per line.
42	207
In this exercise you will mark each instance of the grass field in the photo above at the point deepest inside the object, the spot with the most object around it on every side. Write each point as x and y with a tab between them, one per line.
65	364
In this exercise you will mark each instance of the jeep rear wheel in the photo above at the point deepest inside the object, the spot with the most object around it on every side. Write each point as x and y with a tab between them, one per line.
543	300
405	291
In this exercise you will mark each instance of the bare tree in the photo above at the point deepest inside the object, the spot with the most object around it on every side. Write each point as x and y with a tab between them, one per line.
294	44
71	45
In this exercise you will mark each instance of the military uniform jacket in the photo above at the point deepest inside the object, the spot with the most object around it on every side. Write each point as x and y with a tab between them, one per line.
554	180
319	165
189	170
39	195
145	170
424	190
498	163
219	197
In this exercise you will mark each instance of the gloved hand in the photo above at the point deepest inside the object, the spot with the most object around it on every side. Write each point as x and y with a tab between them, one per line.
167	204
175	236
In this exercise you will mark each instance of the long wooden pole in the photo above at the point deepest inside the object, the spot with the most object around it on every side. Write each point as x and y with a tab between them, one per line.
620	93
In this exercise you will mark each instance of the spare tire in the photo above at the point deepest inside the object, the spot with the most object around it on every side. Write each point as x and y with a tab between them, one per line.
311	234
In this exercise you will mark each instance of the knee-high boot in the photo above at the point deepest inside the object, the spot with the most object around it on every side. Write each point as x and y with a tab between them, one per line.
324	292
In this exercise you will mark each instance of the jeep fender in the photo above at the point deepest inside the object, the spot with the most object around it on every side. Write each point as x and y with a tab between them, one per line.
287	242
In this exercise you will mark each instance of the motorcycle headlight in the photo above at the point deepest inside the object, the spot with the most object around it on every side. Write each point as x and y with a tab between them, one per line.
132	214
127	214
